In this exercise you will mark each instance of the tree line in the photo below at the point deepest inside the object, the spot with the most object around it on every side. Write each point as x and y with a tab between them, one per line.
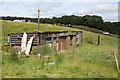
93	21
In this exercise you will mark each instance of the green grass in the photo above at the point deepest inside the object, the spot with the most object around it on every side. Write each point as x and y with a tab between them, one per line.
90	60
88	28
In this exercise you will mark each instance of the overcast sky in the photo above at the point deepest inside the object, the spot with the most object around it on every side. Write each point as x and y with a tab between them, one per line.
108	9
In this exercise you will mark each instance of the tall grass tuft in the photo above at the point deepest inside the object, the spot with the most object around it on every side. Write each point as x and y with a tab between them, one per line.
14	58
59	58
45	49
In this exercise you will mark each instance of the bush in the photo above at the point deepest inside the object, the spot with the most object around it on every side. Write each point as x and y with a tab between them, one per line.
45	49
13	57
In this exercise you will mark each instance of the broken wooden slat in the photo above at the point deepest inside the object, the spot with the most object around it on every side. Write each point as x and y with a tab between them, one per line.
23	42
116	60
29	45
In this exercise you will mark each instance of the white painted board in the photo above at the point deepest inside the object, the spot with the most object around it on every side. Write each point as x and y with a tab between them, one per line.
23	42
29	45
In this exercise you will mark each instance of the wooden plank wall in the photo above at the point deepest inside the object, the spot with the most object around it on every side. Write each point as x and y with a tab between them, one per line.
17	41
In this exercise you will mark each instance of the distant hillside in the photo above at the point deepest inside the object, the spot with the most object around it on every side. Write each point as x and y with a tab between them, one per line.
94	30
93	21
88	28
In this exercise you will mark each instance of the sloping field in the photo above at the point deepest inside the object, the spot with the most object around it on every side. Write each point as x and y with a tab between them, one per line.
90	60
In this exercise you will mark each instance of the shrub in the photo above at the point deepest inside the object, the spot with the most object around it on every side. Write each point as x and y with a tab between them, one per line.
45	49
56	54
13	57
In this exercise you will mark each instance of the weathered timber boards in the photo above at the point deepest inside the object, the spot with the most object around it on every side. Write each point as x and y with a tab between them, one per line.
23	42
29	45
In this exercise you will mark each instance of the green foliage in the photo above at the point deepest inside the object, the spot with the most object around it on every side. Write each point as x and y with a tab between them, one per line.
7	50
14	57
59	57
43	76
45	49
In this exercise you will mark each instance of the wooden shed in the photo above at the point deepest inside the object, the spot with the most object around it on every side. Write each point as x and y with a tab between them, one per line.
61	40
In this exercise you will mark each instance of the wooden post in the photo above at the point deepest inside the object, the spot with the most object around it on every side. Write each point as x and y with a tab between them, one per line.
38	30
81	38
68	41
116	60
57	43
10	42
74	41
73	46
38	42
52	41
38	19
98	39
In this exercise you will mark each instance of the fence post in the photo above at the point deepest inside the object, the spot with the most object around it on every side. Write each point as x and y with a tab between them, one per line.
73	45
10	42
81	38
38	40
52	41
98	39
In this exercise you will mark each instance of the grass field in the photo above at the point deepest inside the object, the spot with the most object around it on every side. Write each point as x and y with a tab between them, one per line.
90	60
88	28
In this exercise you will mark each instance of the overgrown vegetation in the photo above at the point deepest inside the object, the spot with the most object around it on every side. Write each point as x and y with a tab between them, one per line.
45	49
90	60
14	57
